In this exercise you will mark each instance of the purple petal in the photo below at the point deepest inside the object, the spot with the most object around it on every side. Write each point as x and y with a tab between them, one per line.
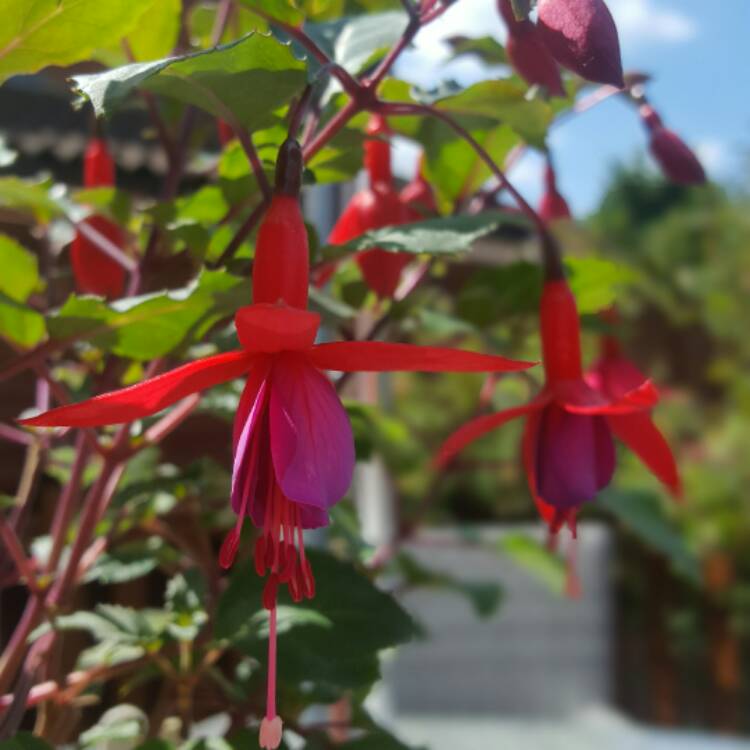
311	438
575	457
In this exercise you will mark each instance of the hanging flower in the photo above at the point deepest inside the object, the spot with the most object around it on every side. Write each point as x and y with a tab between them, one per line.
677	161
376	206
528	54
293	444
568	451
94	271
552	207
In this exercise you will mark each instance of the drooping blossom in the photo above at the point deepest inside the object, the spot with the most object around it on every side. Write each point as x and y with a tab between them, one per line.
94	271
293	444
581	35
568	450
677	161
553	206
528	54
377	205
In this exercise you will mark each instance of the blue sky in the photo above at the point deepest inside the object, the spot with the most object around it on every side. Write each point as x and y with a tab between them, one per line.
698	54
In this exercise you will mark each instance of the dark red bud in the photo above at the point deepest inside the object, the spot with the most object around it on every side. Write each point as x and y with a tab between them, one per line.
560	330
98	165
676	159
581	35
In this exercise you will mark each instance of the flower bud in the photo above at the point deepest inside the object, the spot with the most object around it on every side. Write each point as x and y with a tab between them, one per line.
581	35
677	161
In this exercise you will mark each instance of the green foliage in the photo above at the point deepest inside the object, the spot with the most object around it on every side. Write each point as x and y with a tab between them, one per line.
58	32
153	325
215	80
332	640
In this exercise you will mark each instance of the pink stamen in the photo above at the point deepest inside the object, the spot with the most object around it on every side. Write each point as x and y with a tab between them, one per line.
271	727
573	588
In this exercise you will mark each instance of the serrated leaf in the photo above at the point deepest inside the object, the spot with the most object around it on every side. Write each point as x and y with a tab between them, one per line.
363	38
124	723
281	10
128	562
37	33
355	621
445	236
216	80
536	560
153	325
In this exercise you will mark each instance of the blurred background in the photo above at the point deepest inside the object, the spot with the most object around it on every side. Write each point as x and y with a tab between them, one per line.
656	650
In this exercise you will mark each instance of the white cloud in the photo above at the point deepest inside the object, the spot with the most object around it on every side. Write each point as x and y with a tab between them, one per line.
644	21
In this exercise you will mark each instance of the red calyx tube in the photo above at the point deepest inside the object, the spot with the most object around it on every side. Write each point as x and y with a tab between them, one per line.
560	330
282	259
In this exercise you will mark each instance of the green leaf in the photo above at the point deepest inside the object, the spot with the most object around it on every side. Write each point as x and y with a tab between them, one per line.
20	276
506	101
153	325
216	80
37	33
29	196
535	559
364	38
347	623
156	32
185	597
596	282
19	323
641	513
487	48
129	561
445	236
24	741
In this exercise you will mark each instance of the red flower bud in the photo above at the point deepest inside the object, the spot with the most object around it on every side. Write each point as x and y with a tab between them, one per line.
94	271
378	151
581	35
528	54
674	156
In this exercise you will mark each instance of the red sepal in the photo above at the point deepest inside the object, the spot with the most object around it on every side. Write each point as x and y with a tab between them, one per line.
147	397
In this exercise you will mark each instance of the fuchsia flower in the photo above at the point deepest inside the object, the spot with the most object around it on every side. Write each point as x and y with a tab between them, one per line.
528	54
376	206
553	206
674	156
293	445
568	450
